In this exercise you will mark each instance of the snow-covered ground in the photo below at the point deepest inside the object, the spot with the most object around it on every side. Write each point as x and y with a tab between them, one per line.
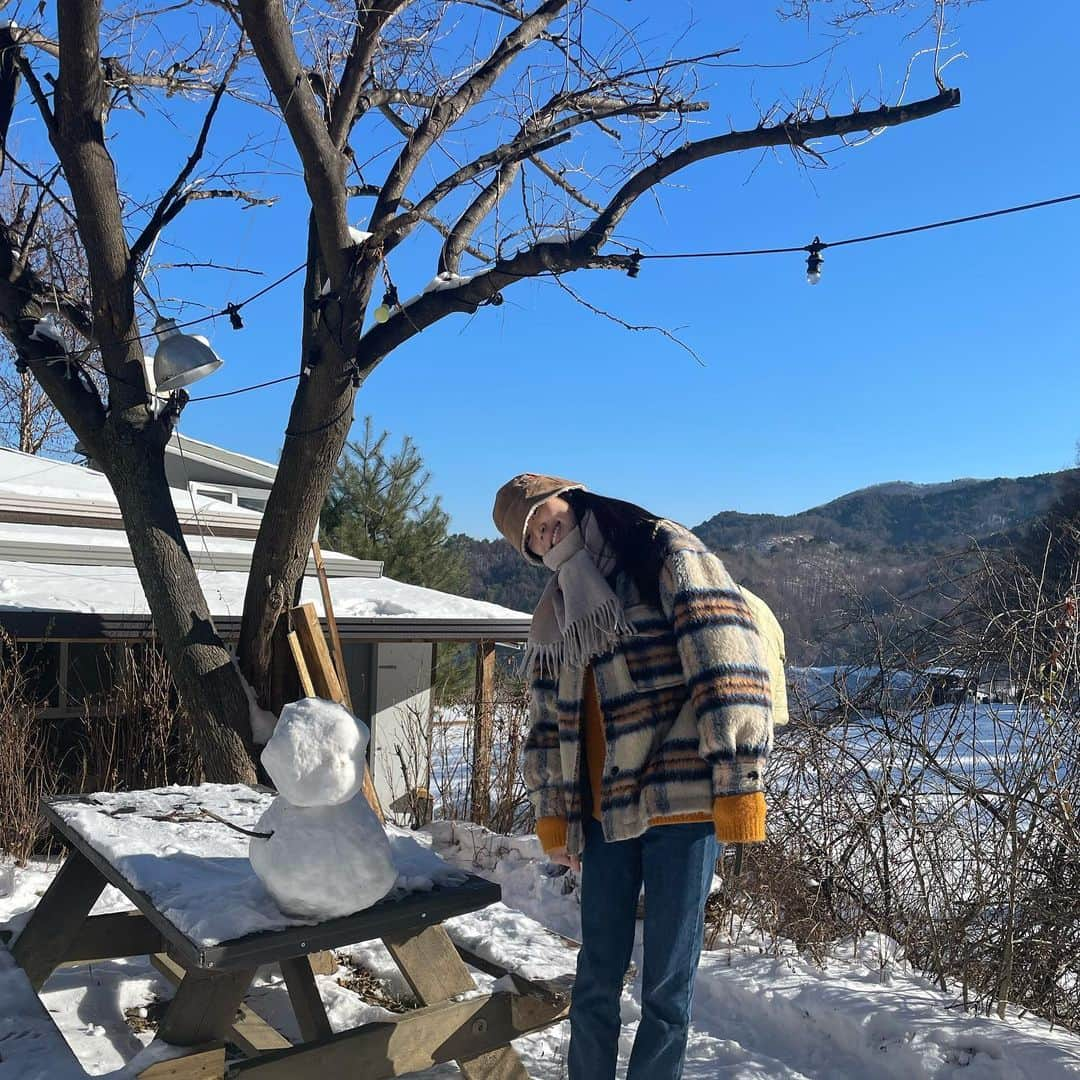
760	1011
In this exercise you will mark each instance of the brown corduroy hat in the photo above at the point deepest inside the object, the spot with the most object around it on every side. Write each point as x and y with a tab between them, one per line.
516	500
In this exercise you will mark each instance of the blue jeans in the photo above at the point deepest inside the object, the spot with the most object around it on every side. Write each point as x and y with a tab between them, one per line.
676	863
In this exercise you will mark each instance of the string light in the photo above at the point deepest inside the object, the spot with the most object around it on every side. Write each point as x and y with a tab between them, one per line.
389	302
814	261
812	250
817	245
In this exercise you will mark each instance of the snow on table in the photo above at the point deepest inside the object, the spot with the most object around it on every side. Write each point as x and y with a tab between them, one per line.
196	871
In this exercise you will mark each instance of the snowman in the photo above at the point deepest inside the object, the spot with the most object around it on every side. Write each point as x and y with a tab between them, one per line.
327	854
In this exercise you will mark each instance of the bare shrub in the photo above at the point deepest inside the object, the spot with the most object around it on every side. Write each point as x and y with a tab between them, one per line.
130	736
25	776
134	736
932	797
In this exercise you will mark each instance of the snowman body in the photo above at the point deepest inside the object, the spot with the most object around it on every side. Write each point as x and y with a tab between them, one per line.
327	855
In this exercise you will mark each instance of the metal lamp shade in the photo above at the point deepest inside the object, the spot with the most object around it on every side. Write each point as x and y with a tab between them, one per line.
181	359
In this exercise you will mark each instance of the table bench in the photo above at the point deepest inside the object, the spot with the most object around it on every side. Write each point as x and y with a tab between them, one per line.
455	1023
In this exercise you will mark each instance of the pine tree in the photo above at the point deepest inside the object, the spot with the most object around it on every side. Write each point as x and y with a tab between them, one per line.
379	507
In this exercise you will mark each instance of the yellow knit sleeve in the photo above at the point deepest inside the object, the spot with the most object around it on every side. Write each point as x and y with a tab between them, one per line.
740	819
552	832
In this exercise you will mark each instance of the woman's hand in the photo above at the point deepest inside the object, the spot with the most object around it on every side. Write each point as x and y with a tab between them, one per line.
561	856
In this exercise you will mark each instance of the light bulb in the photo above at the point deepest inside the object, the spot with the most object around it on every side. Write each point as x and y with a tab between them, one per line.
382	313
814	261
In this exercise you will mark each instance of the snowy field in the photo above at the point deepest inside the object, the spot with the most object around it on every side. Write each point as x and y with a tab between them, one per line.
760	1011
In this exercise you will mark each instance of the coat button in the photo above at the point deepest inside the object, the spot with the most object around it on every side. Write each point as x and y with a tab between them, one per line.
614	770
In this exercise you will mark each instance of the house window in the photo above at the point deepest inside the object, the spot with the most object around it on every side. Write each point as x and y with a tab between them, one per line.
90	671
222	494
43	663
66	676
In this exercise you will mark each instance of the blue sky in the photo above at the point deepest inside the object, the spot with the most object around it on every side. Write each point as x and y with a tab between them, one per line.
922	358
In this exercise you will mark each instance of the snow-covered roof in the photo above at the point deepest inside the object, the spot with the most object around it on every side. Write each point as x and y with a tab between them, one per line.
40	490
83	566
115	590
76	545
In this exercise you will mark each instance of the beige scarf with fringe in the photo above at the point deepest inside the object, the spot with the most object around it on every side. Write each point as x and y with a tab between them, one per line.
578	616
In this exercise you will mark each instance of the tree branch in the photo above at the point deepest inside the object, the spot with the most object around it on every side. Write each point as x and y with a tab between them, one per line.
447	112
557	178
581	253
117	74
162	215
325	164
79	141
38	94
24	298
795	133
408	321
536	136
469	222
349	101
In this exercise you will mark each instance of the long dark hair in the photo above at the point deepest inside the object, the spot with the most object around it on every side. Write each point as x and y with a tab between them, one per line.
630	532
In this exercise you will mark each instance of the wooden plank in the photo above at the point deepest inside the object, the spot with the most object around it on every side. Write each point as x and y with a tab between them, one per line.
204	1064
323	676
304	995
331	622
471	1030
306	685
251	1033
434	971
60	913
323	963
483	723
205	1006
324	679
481	963
120	933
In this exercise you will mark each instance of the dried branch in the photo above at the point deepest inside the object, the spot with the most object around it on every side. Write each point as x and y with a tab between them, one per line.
118	75
349	101
557	177
633	327
448	111
172	202
582	252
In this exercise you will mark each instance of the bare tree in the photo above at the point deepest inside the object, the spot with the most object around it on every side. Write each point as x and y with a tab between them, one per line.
516	136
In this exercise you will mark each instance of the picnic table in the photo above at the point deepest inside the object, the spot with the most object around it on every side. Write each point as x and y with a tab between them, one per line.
108	841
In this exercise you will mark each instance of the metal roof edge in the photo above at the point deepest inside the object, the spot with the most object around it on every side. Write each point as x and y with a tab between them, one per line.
217	455
88	626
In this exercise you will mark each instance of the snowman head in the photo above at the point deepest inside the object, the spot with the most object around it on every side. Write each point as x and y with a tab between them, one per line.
317	753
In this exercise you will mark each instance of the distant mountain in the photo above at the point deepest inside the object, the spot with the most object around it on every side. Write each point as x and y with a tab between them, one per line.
929	518
828	570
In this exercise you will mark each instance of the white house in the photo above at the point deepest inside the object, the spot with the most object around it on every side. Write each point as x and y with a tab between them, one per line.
69	590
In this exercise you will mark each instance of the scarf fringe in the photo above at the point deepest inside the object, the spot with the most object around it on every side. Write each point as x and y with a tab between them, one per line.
580	641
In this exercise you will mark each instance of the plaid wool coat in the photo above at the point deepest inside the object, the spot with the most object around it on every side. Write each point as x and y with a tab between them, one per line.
686	704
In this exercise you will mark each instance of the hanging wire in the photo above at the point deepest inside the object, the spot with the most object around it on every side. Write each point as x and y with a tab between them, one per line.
822	244
816	246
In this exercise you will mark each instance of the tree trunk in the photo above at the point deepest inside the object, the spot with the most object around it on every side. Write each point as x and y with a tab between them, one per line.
319	423
202	669
312	448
